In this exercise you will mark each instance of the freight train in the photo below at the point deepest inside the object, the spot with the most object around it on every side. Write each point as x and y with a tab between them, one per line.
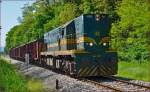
81	47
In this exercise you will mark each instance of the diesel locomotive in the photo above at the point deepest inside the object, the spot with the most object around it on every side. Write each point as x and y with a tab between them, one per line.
80	47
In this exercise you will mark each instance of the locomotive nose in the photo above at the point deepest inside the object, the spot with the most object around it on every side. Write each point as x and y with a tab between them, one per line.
97	45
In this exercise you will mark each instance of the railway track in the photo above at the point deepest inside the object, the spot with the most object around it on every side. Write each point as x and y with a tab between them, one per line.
102	85
118	85
124	81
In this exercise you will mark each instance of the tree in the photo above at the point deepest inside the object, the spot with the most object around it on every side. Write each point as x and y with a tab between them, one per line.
70	9
129	34
45	15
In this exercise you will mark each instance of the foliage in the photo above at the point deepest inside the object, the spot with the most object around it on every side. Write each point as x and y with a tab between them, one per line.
129	34
61	15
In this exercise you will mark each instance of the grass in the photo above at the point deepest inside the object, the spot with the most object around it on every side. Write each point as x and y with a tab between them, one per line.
35	85
12	81
134	70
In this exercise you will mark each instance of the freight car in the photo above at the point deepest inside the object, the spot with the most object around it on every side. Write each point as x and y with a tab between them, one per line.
80	47
33	48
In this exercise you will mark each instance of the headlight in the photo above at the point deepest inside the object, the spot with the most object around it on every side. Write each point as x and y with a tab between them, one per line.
91	44
104	44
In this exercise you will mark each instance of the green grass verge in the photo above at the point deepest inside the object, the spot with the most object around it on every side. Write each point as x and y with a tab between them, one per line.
35	85
134	70
12	81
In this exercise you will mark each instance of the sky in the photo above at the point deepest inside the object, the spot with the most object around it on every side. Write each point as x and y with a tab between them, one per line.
10	11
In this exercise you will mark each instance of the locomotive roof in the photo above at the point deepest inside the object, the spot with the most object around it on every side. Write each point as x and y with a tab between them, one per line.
54	30
66	24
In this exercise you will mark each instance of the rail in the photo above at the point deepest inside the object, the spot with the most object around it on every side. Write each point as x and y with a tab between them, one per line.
124	81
